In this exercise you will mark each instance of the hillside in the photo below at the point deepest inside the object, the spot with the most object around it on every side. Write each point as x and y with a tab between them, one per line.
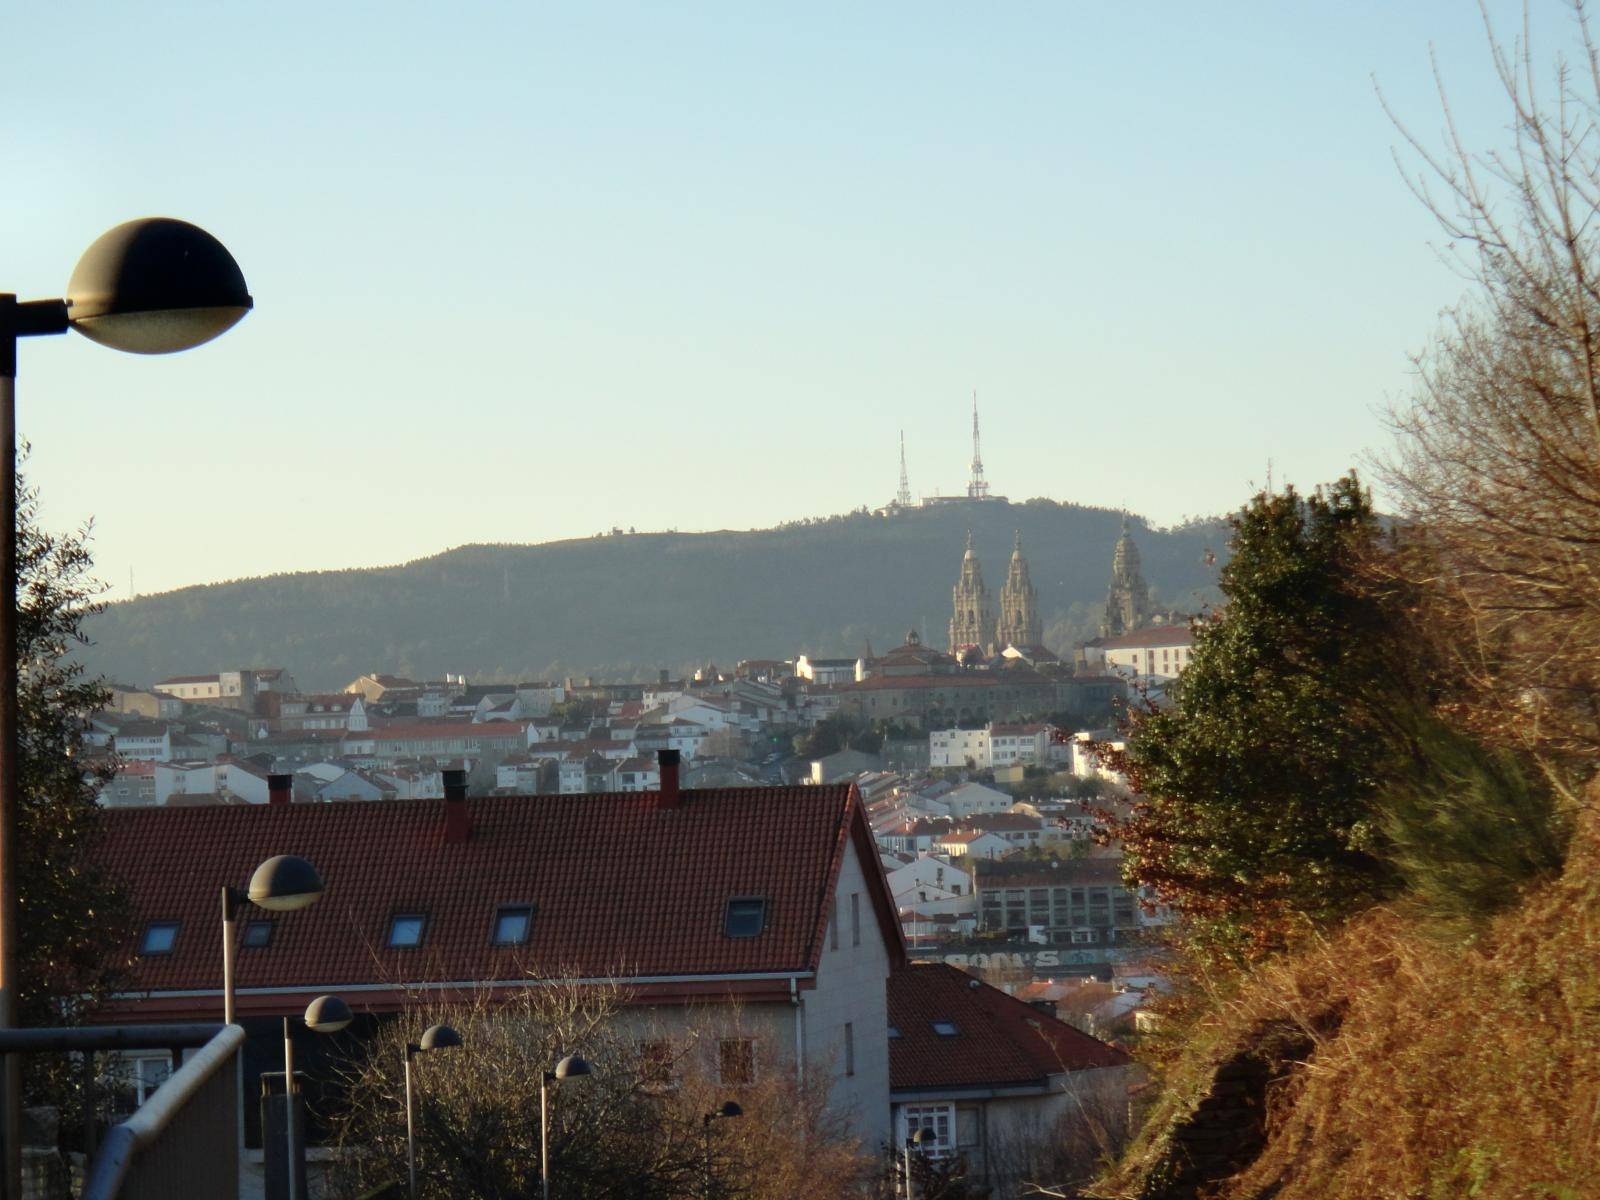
626	604
1394	1060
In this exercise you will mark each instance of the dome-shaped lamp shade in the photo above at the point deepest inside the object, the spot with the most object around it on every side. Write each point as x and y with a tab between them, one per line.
440	1037
155	286
328	1014
285	883
573	1066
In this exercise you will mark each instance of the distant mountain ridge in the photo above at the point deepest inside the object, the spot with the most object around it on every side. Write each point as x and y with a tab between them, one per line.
623	605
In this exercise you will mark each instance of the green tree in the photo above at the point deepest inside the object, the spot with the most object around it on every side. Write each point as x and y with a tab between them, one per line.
1256	782
70	915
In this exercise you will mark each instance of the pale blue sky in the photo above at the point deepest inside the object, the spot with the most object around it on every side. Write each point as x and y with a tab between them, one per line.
525	272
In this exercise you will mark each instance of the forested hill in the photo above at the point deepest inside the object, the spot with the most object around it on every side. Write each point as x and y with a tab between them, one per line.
623	605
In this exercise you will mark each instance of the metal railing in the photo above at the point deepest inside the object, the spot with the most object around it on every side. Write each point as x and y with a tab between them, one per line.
183	1140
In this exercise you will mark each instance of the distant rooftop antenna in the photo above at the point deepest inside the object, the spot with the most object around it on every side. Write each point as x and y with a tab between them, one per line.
133	592
977	486
903	496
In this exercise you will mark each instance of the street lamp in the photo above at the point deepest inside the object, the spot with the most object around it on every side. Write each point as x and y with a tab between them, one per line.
152	286
728	1109
281	884
435	1037
325	1014
572	1066
919	1140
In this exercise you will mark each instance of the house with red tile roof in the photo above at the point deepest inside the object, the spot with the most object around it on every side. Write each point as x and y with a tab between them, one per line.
681	897
994	1078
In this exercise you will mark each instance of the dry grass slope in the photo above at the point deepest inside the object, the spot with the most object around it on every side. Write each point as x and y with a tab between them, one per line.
1394	1061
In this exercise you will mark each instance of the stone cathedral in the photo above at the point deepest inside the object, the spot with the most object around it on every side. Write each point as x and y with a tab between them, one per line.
1019	607
971	617
1128	597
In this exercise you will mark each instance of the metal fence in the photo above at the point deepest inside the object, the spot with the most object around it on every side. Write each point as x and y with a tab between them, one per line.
184	1140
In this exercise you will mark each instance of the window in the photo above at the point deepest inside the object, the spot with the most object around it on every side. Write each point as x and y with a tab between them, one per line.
849	1048
936	1117
855	918
945	1028
736	1061
405	931
257	934
655	1062
133	1075
511	924
894	1031
159	938
747	916
833	923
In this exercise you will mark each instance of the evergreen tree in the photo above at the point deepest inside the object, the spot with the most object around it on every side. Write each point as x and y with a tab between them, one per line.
70	917
1257	780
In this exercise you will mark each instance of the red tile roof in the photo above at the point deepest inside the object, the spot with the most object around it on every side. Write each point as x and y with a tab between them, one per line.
1156	635
622	887
999	1041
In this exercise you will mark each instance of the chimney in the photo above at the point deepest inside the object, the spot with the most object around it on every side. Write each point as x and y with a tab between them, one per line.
667	760
280	789
457	824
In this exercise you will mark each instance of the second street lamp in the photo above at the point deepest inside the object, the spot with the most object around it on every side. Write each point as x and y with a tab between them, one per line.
283	883
572	1066
436	1037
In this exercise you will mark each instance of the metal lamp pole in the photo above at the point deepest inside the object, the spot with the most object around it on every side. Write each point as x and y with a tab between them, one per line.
152	286
283	883
436	1037
570	1067
729	1108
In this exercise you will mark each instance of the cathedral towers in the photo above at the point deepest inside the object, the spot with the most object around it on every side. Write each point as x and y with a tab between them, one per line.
1019	607
1128	598
971	618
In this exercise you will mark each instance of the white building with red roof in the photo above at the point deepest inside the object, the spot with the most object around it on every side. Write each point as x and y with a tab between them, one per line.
682	897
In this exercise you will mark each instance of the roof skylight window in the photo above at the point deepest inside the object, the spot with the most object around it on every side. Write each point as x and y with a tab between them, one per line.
945	1028
258	934
405	931
512	923
159	938
747	917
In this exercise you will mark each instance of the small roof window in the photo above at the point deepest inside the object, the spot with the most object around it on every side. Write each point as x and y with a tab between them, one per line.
405	930
159	938
894	1031
747	916
257	934
945	1028
512	924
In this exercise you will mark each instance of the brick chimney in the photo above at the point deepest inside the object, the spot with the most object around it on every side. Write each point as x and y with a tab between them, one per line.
667	761
457	824
280	789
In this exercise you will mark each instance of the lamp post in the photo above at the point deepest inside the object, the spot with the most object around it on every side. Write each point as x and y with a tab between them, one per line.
435	1037
325	1014
728	1108
571	1067
284	883
919	1139
152	286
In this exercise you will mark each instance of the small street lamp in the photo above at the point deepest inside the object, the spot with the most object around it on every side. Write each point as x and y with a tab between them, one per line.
572	1066
281	884
919	1140
325	1014
153	286
436	1037
728	1109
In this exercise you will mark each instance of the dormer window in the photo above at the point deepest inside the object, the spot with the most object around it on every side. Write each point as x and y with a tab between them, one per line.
512	924
405	931
159	938
257	934
747	917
